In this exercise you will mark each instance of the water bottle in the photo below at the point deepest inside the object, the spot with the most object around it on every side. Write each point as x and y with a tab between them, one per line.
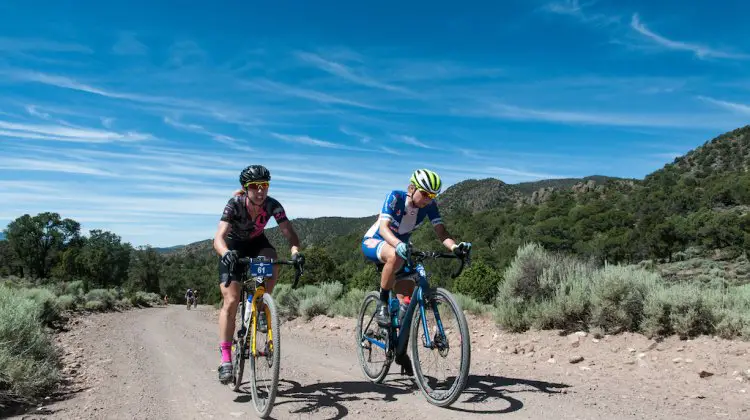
393	306
402	309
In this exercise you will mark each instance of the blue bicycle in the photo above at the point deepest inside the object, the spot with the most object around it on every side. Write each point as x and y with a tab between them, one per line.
422	323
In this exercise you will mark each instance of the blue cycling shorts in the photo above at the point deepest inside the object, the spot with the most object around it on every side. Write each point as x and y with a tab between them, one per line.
371	248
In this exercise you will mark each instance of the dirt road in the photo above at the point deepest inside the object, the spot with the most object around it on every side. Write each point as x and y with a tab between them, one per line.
161	363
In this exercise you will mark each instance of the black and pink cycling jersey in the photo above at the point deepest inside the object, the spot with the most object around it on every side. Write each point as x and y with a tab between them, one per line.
237	214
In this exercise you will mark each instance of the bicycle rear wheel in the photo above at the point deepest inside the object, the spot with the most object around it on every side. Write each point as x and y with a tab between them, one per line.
267	359
373	359
441	389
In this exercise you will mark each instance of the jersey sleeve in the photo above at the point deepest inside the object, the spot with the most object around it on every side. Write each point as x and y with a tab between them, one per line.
278	212
391	203
434	214
230	211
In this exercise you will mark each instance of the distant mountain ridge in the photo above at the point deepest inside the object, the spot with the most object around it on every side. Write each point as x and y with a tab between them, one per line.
471	195
728	152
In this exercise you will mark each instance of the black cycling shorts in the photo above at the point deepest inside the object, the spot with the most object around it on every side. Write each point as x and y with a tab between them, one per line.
245	249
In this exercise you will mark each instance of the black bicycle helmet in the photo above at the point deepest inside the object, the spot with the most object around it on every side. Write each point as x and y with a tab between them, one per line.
254	173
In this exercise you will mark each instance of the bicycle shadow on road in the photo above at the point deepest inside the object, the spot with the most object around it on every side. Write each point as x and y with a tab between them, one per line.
313	398
480	396
483	390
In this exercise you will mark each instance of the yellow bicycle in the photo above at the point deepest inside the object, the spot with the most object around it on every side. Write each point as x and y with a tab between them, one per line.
262	348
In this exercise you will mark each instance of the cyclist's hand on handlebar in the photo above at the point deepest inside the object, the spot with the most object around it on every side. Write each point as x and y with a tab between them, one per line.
462	249
229	259
402	250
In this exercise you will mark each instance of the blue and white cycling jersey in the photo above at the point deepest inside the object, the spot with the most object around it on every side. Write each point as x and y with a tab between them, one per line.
404	219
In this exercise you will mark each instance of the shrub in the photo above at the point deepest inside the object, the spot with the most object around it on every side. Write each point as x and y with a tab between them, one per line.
29	361
618	295
467	303
349	304
479	281
683	309
106	298
96	305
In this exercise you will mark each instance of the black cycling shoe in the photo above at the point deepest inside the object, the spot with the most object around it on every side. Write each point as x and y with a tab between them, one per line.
225	373
382	317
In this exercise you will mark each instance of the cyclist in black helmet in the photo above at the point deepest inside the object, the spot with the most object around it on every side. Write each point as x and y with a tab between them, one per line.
240	234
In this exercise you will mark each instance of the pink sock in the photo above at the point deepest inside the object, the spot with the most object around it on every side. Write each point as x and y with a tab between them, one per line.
226	351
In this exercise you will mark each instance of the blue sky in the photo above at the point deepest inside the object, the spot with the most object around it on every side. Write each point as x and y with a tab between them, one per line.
136	117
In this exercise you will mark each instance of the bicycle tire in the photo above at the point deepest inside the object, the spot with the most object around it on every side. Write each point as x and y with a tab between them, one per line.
380	376
238	359
275	328
458	386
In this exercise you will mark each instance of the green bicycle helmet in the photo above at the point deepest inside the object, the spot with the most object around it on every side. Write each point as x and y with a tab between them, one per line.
426	180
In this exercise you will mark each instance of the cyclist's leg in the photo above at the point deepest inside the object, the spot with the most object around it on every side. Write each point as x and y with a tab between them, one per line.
267	250
227	317
393	263
404	288
377	250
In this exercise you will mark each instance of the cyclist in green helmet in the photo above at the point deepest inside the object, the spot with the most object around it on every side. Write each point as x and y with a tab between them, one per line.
386	242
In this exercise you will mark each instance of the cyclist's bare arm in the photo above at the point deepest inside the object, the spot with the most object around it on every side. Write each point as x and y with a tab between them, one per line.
444	236
220	239
291	235
387	234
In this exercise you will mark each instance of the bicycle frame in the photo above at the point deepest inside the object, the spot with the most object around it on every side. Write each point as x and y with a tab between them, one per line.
259	290
418	299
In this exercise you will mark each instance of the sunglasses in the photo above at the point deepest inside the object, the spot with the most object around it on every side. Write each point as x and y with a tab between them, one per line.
429	195
262	185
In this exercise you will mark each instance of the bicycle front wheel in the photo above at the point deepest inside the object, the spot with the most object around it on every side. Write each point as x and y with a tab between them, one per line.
440	340
265	360
372	341
239	350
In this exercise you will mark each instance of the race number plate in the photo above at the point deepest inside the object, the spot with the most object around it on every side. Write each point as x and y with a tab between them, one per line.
260	269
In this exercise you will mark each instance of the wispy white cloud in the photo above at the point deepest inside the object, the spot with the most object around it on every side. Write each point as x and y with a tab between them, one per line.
38	112
69	83
107	122
230	141
186	52
188	127
32	110
313	95
700	51
513	112
574	9
310	141
732	106
349	132
41	45
412	141
20	164
390	151
64	133
346	73
502	171
128	44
